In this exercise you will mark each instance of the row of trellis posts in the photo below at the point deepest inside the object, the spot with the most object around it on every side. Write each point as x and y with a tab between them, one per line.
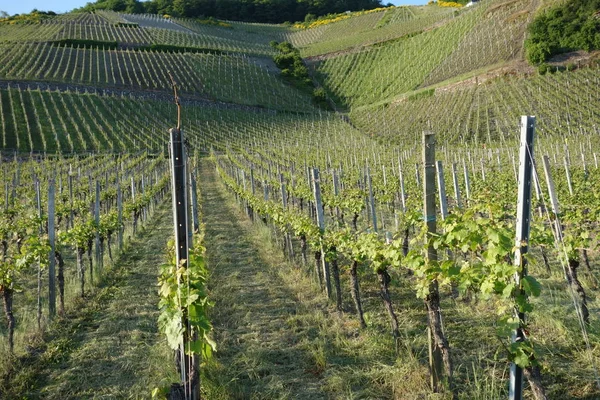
189	364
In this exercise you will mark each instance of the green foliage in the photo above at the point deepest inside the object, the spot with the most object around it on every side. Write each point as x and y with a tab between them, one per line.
35	250
295	72
537	53
320	97
80	235
109	224
309	18
543	68
183	296
483	249
572	25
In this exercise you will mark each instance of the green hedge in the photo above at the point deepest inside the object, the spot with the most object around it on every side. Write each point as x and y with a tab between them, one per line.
127	25
178	49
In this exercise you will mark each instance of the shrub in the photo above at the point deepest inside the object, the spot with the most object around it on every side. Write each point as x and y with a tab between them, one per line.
443	3
310	18
569	26
537	53
320	97
295	72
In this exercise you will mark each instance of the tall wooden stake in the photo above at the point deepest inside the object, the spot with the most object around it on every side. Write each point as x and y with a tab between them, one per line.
371	200
522	238
456	186
97	220
442	189
120	214
194	196
190	377
52	258
435	355
321	222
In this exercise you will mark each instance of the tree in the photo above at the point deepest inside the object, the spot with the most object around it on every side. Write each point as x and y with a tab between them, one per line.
134	7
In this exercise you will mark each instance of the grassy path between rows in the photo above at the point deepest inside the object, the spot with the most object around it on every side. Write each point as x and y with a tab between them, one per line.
278	337
260	354
108	346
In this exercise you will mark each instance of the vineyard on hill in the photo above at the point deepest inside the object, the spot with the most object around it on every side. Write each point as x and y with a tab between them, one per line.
345	196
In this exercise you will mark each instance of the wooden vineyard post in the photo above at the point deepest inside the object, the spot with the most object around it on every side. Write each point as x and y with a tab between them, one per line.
144	209
97	220
287	239
553	200
336	192
435	355
402	191
245	202
585	168
456	186
51	256
417	175
71	216
265	190
194	196
442	189
120	214
253	190
38	198
482	169
515	390
568	173
321	224
282	191
188	365
371	200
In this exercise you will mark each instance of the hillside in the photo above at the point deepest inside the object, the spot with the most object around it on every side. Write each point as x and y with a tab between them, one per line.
371	63
309	302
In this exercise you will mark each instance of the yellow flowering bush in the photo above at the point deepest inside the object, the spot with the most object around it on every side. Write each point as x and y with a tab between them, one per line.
338	18
443	3
32	17
216	22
